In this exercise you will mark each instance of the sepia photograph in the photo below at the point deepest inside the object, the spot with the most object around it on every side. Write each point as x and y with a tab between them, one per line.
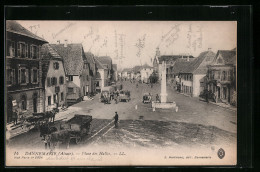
125	93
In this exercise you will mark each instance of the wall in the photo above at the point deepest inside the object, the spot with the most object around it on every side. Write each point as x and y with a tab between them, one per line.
196	85
102	75
50	91
29	96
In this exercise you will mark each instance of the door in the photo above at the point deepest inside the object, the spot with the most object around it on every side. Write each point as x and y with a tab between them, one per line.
58	100
84	91
35	103
218	92
225	92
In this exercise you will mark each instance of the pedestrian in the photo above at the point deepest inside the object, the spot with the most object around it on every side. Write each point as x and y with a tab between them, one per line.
137	85
15	116
207	96
116	119
151	85
216	97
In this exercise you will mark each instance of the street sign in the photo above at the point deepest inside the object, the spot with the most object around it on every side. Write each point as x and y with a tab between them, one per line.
14	103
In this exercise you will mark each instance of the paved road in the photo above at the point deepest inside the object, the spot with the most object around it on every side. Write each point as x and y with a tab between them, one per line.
196	122
191	110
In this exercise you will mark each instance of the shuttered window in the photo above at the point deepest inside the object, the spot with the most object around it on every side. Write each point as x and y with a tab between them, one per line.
10	48
10	76
49	100
23	75
61	80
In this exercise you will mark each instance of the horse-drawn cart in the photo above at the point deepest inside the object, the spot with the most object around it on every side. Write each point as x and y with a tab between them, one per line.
77	127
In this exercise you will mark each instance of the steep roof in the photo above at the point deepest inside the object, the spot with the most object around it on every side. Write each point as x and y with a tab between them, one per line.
71	84
172	57
90	57
105	60
73	56
180	65
47	54
199	64
127	70
146	66
137	69
15	27
99	64
229	56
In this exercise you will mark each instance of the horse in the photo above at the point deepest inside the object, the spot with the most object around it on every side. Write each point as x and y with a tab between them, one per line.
45	129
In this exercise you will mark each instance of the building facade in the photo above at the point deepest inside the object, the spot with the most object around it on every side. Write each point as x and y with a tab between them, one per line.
170	61
192	76
222	76
92	72
115	73
145	72
23	70
77	70
107	64
53	79
102	76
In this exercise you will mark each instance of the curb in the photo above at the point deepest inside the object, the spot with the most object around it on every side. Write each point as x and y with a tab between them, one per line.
231	109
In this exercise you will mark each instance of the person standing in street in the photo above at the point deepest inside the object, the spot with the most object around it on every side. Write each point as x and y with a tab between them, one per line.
116	119
15	116
207	96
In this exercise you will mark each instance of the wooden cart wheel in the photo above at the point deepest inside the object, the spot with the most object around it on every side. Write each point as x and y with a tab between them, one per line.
77	139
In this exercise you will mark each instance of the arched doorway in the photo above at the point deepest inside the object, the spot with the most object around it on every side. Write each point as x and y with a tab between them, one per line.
35	95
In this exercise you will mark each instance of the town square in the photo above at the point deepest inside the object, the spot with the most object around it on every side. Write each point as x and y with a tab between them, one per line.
83	87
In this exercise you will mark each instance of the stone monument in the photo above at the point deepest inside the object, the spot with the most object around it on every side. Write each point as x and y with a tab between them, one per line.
164	104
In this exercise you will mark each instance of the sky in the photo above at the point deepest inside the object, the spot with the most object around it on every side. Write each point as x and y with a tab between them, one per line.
131	43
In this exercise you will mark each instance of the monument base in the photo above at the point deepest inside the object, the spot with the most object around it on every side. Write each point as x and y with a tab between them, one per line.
166	105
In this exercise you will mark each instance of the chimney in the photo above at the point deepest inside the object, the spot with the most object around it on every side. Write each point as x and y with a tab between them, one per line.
58	41
65	43
209	49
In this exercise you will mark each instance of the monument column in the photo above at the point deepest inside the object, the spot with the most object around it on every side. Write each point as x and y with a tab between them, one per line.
163	83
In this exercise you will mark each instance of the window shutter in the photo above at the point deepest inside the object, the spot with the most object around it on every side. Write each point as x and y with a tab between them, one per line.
19	76
27	75
18	50
39	51
13	81
38	76
26	50
31	75
31	51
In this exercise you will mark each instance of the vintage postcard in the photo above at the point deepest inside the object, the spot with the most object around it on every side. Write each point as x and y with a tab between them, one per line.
132	93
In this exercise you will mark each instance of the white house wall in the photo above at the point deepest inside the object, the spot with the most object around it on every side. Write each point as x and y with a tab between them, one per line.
196	84
50	91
